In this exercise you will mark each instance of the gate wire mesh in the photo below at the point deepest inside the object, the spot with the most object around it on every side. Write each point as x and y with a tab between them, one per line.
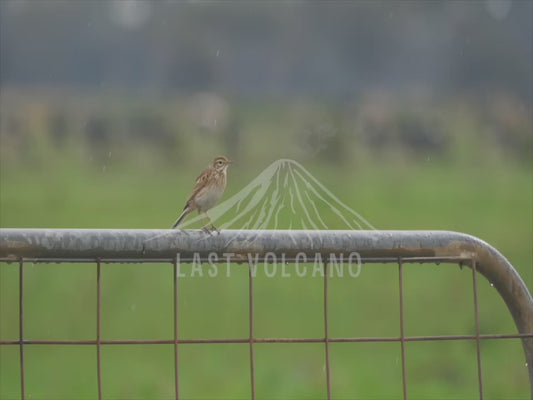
251	339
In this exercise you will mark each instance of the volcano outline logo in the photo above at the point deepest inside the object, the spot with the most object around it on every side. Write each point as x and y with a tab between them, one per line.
284	196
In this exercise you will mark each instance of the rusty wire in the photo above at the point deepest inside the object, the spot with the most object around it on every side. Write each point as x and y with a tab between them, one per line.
98	319
175	308
251	339
402	327
251	322
21	327
326	330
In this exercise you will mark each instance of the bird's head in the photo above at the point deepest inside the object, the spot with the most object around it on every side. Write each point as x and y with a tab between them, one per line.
221	163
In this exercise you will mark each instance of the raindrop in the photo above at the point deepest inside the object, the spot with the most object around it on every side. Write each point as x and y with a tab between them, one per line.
491	284
133	307
218	52
215	122
104	168
526	364
109	155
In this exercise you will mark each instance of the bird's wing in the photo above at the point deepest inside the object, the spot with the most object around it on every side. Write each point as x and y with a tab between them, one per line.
200	183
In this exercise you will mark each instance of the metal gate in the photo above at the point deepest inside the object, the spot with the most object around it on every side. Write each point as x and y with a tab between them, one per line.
22	246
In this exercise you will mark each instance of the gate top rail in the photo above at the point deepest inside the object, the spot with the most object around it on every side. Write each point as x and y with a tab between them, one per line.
145	245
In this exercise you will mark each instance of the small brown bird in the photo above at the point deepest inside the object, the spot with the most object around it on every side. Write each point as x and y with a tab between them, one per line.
207	191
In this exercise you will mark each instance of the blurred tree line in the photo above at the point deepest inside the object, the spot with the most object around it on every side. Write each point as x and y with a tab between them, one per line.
37	126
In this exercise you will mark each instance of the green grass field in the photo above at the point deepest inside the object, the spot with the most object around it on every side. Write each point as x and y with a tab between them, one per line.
491	201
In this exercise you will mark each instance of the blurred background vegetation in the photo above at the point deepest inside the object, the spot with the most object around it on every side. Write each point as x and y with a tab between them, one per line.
415	114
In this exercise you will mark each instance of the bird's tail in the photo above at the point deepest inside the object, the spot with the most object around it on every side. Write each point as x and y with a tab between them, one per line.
185	212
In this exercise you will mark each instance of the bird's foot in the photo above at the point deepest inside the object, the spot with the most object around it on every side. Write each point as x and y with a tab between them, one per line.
206	230
211	229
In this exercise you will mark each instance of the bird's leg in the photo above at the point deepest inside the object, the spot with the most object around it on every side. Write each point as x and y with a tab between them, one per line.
204	227
213	227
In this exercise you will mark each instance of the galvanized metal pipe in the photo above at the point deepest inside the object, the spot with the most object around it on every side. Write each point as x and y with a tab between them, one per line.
237	245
